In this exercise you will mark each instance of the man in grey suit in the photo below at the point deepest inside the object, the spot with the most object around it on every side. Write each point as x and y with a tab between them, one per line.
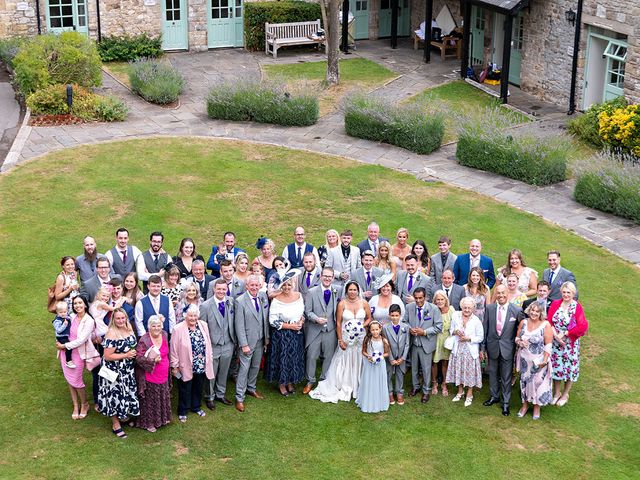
235	286
556	275
310	276
252	332
443	260
320	328
397	333
367	274
90	288
454	292
218	313
344	259
425	322
500	325
373	239
410	279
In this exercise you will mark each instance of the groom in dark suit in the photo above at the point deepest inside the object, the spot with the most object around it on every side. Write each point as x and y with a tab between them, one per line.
500	325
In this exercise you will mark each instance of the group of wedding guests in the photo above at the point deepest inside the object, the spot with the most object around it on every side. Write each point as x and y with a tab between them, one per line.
369	313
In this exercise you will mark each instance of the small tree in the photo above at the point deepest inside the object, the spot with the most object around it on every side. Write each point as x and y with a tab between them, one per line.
330	19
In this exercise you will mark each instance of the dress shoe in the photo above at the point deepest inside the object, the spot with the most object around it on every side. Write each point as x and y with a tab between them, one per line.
400	399
505	410
210	404
491	401
240	406
256	394
392	401
425	397
224	401
413	392
307	388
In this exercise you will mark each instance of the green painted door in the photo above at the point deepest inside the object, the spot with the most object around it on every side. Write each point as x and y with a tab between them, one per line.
404	17
616	55
517	41
67	15
384	25
224	28
478	24
360	11
175	34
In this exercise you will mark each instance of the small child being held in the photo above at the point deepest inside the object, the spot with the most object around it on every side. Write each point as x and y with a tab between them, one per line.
62	326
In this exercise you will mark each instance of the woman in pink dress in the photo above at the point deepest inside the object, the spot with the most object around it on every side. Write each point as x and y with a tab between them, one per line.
152	377
83	354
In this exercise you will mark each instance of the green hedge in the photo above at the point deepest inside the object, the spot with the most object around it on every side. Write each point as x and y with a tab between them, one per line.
611	184
256	14
50	59
9	48
154	81
52	100
127	48
528	159
263	103
408	127
585	126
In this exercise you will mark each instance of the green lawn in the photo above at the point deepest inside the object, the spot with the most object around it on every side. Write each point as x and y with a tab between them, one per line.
355	74
458	98
200	188
119	70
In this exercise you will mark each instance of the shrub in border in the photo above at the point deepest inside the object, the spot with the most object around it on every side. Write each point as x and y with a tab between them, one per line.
52	100
256	14
9	48
409	127
49	59
127	48
610	183
263	103
586	126
156	82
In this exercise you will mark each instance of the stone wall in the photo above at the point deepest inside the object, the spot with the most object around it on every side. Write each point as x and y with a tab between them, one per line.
418	9
17	22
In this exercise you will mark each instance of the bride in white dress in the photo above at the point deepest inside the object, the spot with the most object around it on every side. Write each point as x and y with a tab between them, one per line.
352	316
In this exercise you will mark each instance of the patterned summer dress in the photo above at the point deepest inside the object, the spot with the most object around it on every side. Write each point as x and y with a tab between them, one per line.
119	398
565	361
535	382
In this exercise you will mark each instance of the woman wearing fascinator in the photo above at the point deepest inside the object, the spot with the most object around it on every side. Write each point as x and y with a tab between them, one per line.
380	303
280	268
352	317
285	362
267	254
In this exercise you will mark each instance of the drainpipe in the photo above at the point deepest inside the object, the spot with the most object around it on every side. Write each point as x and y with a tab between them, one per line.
98	18
574	63
38	17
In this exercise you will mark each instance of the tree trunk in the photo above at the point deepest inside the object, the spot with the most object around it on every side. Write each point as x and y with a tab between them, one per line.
332	30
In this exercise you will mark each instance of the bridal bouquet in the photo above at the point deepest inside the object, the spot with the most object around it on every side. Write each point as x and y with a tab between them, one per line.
354	330
376	357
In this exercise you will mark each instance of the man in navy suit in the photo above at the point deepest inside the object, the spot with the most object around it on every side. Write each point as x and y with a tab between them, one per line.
294	252
465	262
373	239
199	277
226	251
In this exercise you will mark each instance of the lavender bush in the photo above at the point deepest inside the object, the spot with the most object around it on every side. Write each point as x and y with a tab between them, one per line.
155	81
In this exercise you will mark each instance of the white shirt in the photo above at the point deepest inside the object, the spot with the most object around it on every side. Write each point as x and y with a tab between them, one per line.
155	302
136	254
302	248
474	261
141	267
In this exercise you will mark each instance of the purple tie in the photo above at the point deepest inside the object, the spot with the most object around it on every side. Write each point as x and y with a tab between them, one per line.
419	314
228	290
221	308
308	279
410	282
124	257
255	302
327	296
396	328
368	279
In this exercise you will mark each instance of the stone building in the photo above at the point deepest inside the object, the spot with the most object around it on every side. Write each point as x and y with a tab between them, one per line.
541	59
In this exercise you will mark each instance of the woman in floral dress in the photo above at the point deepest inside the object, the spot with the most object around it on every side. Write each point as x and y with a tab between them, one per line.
118	399
534	339
569	324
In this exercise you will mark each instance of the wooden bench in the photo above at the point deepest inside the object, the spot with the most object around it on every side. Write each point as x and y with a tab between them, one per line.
286	34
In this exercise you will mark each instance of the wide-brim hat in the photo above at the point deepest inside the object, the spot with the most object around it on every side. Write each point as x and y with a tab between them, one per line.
380	282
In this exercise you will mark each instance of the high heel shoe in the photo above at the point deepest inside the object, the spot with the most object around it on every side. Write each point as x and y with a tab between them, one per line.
434	388
563	401
75	414
555	399
522	413
84	410
283	391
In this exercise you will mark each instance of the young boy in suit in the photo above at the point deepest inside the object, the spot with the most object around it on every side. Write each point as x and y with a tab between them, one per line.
397	333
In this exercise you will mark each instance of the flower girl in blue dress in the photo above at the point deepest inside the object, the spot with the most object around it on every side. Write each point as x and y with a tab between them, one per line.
373	392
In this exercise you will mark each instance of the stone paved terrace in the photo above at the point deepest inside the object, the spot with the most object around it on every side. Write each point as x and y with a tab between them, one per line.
202	70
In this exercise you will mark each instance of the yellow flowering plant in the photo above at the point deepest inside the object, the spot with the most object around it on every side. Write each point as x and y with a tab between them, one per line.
620	129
